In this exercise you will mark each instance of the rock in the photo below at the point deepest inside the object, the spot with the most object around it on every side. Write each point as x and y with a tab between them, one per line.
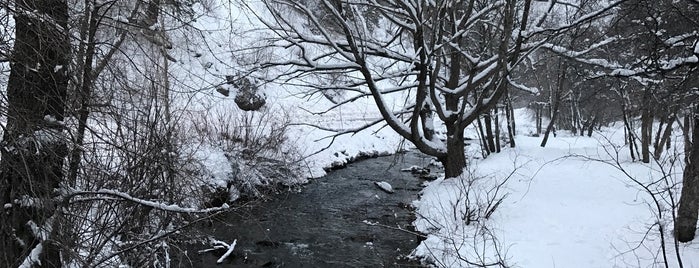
417	170
385	186
224	91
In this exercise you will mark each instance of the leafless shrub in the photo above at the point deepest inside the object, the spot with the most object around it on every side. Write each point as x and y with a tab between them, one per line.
660	193
459	233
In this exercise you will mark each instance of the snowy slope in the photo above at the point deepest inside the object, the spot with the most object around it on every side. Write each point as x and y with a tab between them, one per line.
561	209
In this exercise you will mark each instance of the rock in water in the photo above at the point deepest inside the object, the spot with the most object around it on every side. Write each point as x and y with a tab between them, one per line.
385	186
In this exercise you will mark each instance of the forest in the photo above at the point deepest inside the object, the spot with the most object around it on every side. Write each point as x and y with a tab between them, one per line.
552	133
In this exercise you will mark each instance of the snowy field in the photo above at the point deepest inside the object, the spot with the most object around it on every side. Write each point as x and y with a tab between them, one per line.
566	205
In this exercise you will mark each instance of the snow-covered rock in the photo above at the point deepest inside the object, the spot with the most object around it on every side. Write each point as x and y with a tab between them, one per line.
385	186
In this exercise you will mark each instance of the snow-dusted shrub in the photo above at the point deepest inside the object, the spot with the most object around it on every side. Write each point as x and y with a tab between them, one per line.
659	185
454	215
246	154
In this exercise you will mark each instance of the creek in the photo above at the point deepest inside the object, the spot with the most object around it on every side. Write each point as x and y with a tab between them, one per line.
340	220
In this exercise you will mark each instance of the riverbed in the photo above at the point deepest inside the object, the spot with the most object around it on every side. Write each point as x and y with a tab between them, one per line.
340	220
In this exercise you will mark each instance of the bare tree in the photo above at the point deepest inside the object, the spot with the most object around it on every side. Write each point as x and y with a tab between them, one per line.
687	213
92	168
449	59
653	48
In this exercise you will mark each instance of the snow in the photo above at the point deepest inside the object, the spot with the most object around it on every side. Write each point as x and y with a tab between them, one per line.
216	164
558	208
385	186
33	259
569	204
154	204
231	247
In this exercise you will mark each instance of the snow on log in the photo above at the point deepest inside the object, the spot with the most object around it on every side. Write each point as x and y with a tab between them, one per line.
231	247
153	204
385	186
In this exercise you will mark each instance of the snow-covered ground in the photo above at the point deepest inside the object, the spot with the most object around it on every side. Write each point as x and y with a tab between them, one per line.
562	208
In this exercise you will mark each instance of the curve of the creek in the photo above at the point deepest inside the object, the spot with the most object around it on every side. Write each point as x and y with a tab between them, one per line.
330	222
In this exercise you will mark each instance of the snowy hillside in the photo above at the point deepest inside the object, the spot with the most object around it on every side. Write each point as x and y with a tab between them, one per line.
567	205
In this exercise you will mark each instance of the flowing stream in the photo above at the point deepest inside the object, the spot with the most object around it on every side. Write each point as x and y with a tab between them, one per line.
329	223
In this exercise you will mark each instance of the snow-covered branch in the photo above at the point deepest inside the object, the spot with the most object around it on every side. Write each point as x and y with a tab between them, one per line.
148	203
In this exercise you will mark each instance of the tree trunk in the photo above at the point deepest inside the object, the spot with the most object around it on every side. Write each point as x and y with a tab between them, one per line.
664	139
455	161
555	102
427	121
497	131
489	131
84	94
646	134
510	121
628	129
539	120
549	128
687	213
33	168
484	147
574	116
591	127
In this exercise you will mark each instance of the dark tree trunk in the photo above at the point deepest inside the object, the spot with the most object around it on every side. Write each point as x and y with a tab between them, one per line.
646	134
510	121
659	133
555	102
664	139
554	116
497	131
485	151
84	94
489	131
538	120
688	211
455	161
34	146
628	129
549	128
591	127
427	121
574	117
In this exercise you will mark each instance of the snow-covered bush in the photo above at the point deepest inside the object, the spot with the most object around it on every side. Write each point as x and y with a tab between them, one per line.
245	154
454	215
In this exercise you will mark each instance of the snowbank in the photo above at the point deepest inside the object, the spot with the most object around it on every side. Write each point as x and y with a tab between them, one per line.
562	208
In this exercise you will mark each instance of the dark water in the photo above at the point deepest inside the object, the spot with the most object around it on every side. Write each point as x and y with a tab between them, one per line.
323	225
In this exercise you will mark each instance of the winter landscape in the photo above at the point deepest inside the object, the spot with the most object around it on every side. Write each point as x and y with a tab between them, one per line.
349	133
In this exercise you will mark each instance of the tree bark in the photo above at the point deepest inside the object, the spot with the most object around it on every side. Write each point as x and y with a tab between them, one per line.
34	147
591	127
455	161
646	135
688	211
539	121
485	151
556	100
549	128
497	131
628	129
664	139
427	121
510	120
489	131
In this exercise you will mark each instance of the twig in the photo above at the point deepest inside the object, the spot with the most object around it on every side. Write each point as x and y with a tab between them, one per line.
231	247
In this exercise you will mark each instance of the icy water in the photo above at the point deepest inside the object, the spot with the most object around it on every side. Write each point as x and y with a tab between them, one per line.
325	224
